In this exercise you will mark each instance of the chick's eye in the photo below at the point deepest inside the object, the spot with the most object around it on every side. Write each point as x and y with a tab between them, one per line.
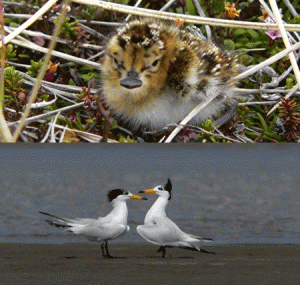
125	192
116	61
160	188
155	62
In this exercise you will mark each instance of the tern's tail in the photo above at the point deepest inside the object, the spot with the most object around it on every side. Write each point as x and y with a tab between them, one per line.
206	239
201	238
196	241
58	222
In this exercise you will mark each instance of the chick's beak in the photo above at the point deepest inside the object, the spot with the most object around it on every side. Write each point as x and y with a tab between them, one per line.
137	197
132	80
148	191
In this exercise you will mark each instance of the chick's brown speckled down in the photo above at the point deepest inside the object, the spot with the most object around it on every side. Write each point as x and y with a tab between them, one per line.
155	73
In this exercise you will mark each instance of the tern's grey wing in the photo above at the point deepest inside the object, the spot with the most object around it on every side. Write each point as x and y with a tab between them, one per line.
99	232
84	221
157	234
166	232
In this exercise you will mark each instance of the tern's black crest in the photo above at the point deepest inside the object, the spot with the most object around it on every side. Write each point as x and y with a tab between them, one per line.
168	187
112	194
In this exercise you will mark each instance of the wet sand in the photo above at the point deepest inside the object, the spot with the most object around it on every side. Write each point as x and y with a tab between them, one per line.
141	264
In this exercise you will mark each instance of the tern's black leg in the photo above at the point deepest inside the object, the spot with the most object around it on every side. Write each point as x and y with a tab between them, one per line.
163	250
107	252
102	248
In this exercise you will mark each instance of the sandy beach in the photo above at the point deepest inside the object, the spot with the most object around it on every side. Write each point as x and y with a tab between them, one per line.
140	263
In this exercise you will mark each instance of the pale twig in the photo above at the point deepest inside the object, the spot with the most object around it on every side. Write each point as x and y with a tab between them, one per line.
188	18
250	91
7	3
56	88
87	136
49	37
47	133
62	94
64	87
42	70
258	103
291	8
63	134
30	21
168	5
135	5
201	130
202	14
52	138
49	114
111	24
52	19
92	32
223	136
267	62
190	116
43	104
56	53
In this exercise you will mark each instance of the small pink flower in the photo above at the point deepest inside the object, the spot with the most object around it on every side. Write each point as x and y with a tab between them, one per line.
274	34
188	135
73	118
39	40
49	76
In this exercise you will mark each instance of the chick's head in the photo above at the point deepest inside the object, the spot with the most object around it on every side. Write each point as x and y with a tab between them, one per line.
136	63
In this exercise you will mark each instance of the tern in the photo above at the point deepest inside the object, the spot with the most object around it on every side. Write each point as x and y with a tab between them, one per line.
160	230
102	229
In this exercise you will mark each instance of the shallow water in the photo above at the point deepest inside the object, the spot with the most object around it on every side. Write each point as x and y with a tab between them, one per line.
230	193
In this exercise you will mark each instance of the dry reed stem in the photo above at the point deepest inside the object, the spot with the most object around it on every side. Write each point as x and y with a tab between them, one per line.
188	18
5	133
49	114
267	62
56	53
87	136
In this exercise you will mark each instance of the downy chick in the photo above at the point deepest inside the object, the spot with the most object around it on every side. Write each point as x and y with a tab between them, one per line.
155	73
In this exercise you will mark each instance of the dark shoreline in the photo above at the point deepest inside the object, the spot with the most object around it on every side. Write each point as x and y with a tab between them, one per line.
140	263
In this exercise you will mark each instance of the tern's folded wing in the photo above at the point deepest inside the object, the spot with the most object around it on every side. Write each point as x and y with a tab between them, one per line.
159	234
99	232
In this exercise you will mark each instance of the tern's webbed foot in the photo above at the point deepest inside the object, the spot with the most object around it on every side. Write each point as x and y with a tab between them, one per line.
107	256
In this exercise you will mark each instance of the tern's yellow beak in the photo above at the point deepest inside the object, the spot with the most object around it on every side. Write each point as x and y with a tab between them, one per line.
148	191
137	197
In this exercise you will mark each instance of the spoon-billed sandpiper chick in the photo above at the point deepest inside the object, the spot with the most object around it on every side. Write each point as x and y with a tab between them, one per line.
155	73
